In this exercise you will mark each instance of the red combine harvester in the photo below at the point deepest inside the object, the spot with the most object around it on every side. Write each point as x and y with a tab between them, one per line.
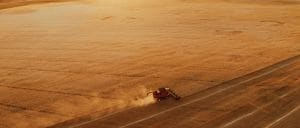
164	93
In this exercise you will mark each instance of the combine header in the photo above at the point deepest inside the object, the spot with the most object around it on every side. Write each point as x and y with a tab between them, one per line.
164	93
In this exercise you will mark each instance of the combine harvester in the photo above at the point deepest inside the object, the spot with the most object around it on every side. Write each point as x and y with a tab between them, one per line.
164	93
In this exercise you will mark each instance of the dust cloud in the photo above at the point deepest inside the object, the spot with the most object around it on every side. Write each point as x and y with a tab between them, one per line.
143	100
133	97
112	100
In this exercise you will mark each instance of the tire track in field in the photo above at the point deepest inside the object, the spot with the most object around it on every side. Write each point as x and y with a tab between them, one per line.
260	108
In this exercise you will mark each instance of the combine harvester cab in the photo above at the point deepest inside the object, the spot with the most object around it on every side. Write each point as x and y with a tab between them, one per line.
165	93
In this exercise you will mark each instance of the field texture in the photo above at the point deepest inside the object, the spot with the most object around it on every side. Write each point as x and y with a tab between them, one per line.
61	61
